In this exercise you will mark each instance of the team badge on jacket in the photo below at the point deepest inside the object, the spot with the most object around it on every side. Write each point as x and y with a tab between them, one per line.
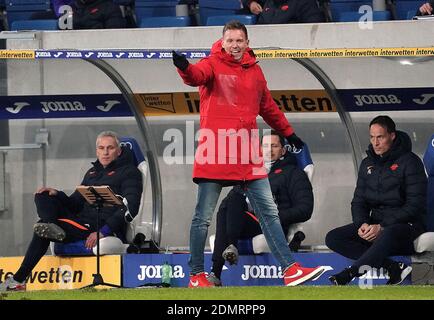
370	168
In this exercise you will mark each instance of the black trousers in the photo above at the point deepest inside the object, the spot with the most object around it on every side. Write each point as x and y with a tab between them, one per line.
393	240
50	209
233	223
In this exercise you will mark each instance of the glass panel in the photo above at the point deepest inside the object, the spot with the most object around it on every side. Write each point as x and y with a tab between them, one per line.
73	101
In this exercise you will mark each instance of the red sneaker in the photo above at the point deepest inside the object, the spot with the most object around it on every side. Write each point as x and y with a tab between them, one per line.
199	280
296	274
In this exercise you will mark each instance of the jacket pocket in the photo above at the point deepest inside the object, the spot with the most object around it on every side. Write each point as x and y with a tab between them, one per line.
226	90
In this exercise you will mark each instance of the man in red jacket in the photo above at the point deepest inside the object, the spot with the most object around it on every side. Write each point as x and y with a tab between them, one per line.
233	92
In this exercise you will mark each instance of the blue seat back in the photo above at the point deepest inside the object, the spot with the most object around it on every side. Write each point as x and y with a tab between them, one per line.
209	8
134	147
23	9
147	9
160	22
337	7
355	16
51	24
303	157
428	161
406	9
221	20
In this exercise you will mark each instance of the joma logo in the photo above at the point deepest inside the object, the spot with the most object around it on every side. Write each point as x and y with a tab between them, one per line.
369	99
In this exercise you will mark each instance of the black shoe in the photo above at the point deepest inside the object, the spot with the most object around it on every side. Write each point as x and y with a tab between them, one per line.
49	231
295	243
342	278
231	254
398	271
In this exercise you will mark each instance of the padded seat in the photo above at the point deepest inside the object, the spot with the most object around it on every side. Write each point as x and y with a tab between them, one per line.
49	24
407	9
354	16
161	22
246	19
425	242
212	8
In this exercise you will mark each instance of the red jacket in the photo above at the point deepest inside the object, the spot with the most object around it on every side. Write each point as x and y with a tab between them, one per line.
232	94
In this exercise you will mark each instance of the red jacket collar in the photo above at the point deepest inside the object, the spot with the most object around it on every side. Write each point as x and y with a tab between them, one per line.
248	58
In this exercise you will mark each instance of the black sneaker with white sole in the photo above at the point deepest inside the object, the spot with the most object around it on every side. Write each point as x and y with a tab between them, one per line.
49	231
398	271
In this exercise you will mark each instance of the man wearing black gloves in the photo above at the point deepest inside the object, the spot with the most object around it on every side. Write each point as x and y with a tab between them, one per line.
233	92
388	207
70	218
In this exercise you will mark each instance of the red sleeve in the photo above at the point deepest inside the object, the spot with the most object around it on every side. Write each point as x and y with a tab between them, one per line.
198	74
272	115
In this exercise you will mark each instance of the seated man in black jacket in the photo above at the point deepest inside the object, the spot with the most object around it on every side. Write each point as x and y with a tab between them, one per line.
70	218
388	207
97	14
291	190
285	11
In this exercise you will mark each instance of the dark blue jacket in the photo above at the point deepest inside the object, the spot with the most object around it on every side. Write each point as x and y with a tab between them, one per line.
391	189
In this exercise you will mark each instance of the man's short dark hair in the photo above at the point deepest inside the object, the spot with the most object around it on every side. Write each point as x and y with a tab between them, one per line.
275	133
385	122
235	25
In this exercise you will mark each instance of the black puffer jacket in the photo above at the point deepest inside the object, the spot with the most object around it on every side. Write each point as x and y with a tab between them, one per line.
292	192
124	179
97	14
288	11
391	189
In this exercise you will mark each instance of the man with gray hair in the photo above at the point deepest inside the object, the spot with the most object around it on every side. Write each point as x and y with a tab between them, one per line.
70	218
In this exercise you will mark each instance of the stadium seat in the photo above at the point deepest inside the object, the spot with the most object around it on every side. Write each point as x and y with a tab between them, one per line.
148	9
337	7
111	245
258	244
406	9
159	22
51	24
23	9
425	242
221	20
355	16
209	8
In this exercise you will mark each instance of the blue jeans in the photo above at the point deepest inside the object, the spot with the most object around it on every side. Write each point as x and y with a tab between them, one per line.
261	198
